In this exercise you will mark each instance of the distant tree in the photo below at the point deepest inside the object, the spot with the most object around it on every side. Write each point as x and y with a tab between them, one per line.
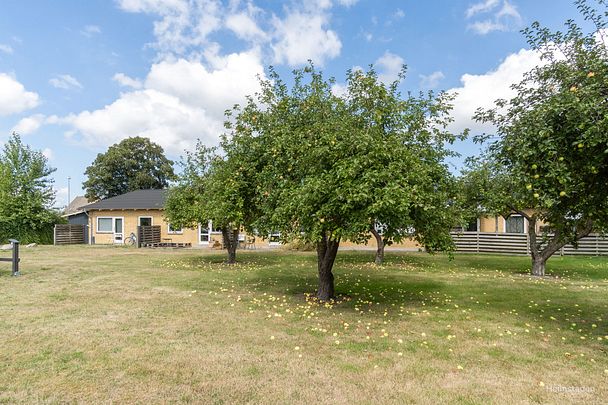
551	151
405	139
133	164
26	194
329	167
215	187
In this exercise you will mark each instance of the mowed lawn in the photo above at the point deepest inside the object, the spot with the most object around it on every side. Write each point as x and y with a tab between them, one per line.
114	324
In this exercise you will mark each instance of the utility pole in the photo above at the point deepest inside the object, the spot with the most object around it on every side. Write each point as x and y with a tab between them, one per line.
69	194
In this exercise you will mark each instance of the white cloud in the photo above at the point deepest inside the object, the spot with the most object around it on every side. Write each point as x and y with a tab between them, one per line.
302	36
398	14
481	91
48	153
183	26
431	81
388	66
180	101
347	3
245	27
481	7
6	48
61	196
13	96
65	82
501	16
90	30
127	81
29	124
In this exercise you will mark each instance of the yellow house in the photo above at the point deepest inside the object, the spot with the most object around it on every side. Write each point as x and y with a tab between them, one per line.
114	219
514	223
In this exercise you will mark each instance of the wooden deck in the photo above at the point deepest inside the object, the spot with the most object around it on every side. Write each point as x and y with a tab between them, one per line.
167	245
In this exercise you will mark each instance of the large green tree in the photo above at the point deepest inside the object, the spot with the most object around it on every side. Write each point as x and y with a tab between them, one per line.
329	167
551	150
26	194
133	164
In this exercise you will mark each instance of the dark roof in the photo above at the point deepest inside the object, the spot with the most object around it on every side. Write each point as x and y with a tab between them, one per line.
75	207
139	199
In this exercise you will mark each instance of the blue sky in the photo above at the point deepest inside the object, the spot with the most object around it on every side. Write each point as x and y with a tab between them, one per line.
77	76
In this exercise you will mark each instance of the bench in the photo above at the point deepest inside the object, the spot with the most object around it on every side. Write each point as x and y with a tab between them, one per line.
15	259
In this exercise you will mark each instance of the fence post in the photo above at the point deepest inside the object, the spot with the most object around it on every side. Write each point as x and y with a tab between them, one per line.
15	244
478	240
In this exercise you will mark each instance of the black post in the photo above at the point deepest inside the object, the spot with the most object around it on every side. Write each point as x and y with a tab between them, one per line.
15	244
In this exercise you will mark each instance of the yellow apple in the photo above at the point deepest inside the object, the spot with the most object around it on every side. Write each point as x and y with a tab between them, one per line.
562	193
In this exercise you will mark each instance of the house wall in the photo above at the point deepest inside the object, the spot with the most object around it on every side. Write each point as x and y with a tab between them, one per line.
408	243
130	223
497	223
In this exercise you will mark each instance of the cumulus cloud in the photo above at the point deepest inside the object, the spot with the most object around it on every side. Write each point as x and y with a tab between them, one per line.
431	81
126	81
30	124
245	27
180	101
183	25
481	91
13	96
302	36
389	65
65	82
496	16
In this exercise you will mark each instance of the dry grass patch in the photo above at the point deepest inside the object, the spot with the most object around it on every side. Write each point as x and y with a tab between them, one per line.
111	324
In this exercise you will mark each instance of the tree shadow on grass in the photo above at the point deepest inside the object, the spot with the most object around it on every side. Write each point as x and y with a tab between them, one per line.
405	281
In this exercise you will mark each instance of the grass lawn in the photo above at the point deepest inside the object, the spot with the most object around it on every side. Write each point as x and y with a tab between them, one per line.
113	324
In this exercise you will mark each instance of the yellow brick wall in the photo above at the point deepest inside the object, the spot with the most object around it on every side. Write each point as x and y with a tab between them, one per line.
130	222
371	243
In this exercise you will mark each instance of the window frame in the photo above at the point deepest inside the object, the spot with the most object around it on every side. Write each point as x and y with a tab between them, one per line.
111	231
139	218
525	224
175	231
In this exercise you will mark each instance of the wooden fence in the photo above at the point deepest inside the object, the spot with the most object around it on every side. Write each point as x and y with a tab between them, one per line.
148	235
519	244
70	234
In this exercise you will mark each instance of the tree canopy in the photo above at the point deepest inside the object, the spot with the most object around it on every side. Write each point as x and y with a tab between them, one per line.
329	167
133	164
551	150
26	194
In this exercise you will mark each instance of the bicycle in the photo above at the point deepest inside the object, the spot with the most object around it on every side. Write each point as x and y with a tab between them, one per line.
131	240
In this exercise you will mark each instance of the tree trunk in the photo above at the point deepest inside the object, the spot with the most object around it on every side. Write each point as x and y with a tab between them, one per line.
380	249
540	256
538	266
327	250
230	237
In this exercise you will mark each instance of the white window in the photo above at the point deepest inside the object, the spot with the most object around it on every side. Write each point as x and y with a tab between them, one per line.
274	238
105	225
174	230
214	229
204	235
145	221
515	224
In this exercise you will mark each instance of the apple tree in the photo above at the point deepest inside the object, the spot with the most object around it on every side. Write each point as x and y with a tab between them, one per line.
329	166
216	187
549	161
